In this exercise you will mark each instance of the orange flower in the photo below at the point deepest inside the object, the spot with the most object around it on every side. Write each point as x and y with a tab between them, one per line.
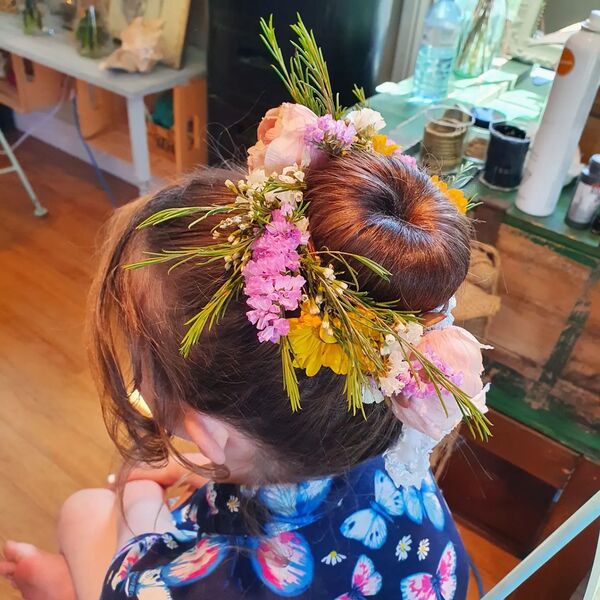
454	195
383	145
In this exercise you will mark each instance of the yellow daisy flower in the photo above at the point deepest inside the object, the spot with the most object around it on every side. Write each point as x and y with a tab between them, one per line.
454	195
383	145
314	346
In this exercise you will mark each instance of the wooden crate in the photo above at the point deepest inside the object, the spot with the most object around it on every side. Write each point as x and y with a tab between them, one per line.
36	87
102	115
162	139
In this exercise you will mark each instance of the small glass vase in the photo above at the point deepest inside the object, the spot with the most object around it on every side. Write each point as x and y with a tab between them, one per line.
93	39
482	38
32	13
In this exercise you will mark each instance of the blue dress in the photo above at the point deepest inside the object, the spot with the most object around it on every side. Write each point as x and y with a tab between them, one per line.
348	537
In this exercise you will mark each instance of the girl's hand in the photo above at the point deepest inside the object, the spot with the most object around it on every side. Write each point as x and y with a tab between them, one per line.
170	474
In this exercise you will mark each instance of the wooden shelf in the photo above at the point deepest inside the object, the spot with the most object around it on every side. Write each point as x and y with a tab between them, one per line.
116	143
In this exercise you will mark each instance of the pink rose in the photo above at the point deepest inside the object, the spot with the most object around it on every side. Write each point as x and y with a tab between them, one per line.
461	353
281	140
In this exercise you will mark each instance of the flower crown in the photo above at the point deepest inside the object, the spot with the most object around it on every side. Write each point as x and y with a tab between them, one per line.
264	241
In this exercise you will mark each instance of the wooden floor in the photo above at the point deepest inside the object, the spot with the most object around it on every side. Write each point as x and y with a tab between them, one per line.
52	437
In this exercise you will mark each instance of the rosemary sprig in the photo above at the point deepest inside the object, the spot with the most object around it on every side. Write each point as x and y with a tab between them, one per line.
290	379
168	214
212	312
307	78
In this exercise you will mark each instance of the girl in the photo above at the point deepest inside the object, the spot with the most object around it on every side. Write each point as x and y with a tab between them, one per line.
346	259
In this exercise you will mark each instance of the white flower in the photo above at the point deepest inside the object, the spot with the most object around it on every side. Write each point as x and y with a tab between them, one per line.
233	504
366	118
329	273
170	542
397	365
257	177
302	225
423	549
411	332
371	393
333	558
270	198
287	179
403	547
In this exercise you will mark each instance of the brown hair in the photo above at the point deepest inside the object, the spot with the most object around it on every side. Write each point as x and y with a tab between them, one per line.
362	203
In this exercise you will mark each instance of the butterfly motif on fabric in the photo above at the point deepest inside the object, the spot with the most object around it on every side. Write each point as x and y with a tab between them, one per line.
211	498
369	525
283	563
440	586
294	506
186	520
129	557
366	581
424	502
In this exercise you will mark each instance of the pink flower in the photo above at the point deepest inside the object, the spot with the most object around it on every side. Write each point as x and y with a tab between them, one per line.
272	282
458	354
277	329
281	139
407	159
336	133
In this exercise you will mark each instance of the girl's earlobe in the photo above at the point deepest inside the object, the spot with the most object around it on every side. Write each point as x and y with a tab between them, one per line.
209	434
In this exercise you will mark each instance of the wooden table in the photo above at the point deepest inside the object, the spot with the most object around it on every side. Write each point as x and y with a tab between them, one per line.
542	463
58	52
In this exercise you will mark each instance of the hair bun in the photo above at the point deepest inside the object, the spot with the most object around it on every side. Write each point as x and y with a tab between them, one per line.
377	207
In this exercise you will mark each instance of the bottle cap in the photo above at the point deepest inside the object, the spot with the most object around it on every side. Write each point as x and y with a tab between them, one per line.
593	21
594	166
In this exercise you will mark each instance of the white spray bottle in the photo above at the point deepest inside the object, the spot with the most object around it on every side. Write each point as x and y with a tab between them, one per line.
571	98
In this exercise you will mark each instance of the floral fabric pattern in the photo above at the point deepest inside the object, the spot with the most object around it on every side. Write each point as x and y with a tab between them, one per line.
353	536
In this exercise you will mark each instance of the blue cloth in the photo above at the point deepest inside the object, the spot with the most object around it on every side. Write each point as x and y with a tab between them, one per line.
347	537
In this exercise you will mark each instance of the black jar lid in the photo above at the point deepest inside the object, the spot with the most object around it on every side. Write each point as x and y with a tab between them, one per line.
484	115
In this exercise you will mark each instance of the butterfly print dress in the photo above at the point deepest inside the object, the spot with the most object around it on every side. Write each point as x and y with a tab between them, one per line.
349	537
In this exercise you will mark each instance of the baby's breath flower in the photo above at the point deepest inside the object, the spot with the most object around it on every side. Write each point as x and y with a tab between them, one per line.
329	273
287	179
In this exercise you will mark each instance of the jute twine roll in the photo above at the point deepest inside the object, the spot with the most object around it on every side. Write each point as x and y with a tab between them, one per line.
443	140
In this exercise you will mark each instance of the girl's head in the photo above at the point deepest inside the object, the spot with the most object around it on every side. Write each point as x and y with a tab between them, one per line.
228	395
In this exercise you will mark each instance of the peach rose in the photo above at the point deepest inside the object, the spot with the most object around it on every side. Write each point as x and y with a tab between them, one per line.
281	139
461	352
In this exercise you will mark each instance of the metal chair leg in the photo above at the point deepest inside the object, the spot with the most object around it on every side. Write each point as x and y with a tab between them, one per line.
38	209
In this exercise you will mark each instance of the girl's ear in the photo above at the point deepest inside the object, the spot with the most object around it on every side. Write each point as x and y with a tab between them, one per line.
209	434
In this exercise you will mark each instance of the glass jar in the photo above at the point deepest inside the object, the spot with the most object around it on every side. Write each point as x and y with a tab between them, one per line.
482	40
91	34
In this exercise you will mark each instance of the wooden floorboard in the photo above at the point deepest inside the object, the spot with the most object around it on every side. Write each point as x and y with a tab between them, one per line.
53	441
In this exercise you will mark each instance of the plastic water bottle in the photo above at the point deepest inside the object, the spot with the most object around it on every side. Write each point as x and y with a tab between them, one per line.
441	33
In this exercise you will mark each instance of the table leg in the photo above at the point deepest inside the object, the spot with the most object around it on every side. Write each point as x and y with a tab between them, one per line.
39	210
136	113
